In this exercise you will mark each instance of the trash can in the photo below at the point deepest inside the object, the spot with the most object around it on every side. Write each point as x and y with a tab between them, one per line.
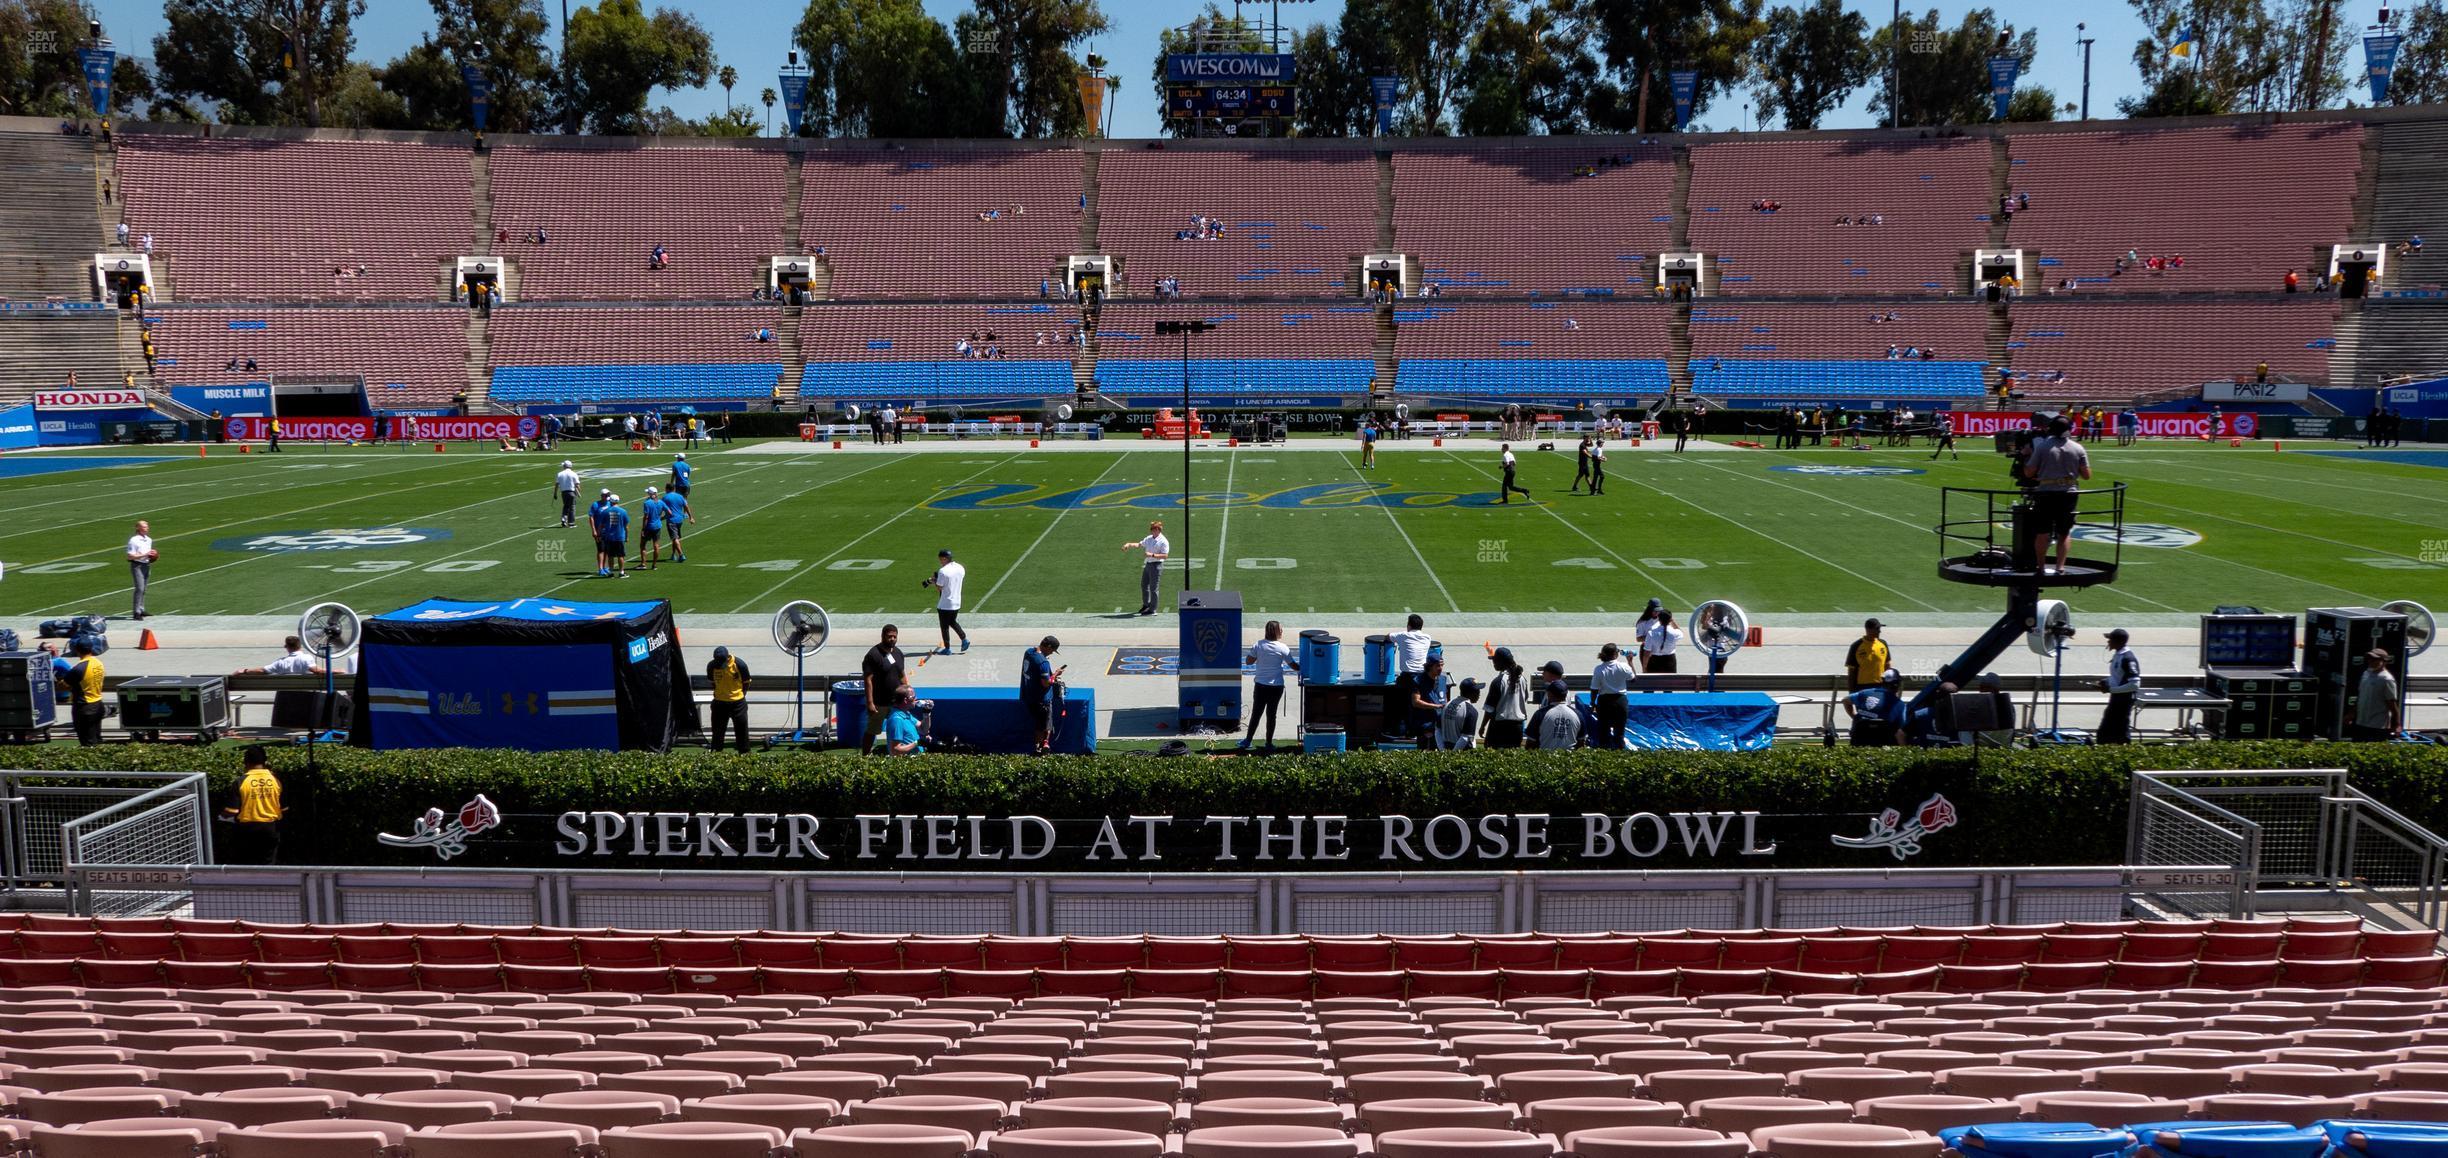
1096	432
1377	661
849	712
1322	738
1321	658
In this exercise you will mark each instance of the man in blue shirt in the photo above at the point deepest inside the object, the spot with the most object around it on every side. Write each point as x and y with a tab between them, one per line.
680	474
1368	444
901	736
552	431
1038	680
675	512
650	540
595	524
616	536
1878	712
1429	690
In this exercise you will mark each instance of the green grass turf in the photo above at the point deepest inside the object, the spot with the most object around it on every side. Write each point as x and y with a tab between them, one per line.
856	532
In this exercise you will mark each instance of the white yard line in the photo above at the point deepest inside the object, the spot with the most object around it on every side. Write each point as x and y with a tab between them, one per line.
1232	461
1406	536
760	596
1594	541
1014	569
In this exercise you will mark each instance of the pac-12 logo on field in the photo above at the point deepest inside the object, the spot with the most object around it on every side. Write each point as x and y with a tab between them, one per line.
333	539
1850	471
2158	535
610	472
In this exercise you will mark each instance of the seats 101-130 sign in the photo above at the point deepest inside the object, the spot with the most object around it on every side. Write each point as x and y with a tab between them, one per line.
1186	102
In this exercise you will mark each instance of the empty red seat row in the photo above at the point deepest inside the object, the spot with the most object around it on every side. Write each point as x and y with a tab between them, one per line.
1207	983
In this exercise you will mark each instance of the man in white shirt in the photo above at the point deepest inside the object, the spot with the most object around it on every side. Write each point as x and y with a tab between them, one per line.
1610	688
1458	721
1410	647
1156	548
1659	644
140	556
1268	657
629	426
1506	494
2124	679
947	581
891	419
565	484
1597	456
293	661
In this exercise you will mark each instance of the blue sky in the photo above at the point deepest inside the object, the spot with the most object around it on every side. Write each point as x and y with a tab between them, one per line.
751	36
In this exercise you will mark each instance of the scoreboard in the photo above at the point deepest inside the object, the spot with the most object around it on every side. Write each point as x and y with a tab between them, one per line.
1237	101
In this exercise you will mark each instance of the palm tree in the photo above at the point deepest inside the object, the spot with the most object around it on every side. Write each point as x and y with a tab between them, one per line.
768	97
728	77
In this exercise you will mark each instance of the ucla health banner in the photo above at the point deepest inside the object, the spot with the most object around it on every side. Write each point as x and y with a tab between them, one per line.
1685	84
98	62
2379	60
480	94
794	99
2002	73
1383	91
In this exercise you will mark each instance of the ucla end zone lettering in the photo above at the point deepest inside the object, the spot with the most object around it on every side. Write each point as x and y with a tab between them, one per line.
1150	497
332	539
1850	471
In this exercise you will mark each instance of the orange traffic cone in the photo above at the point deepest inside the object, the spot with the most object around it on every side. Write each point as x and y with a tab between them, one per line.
2234	443
147	643
2277	446
203	452
437	448
245	449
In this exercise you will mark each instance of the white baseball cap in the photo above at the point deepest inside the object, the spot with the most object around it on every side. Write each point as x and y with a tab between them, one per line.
677	457
650	490
565	462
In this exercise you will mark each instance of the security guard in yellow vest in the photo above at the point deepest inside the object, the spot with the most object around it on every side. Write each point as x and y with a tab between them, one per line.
85	708
729	675
1867	661
256	839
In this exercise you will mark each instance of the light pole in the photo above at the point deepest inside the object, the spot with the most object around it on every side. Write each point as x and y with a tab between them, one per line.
1185	329
2086	42
1895	67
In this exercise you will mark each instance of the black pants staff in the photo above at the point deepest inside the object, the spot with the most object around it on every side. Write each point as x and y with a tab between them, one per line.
255	842
1581	472
1265	699
2116	725
1504	733
1510	487
735	714
1614	711
569	508
1597	476
1658	663
87	719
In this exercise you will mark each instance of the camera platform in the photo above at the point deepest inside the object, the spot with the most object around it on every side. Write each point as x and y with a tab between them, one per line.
1985	539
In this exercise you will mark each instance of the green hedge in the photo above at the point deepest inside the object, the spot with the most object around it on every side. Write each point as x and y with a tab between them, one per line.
2053	806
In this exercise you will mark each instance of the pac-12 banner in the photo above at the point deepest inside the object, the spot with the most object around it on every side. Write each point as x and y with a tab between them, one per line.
362	429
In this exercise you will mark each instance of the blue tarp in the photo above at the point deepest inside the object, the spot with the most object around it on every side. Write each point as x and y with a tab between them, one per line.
538	674
992	720
1698	721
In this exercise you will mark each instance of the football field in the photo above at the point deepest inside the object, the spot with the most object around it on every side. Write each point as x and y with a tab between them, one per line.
1298	529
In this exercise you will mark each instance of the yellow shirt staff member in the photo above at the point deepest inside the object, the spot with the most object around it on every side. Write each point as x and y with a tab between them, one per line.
729	677
85	708
1867	661
256	835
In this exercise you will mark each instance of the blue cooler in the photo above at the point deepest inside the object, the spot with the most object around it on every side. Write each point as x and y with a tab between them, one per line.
1321	658
849	712
1322	738
1377	660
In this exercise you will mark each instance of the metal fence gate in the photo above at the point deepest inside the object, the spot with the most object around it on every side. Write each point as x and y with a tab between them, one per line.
2297	839
54	822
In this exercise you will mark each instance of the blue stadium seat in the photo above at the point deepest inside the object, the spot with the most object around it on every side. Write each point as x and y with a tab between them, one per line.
2034	1140
957	379
1237	375
2357	1139
693	383
1526	377
1772	378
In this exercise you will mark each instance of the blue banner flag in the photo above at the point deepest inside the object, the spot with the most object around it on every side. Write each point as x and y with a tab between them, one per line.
2002	73
98	61
1685	84
480	94
794	99
1383	92
2379	60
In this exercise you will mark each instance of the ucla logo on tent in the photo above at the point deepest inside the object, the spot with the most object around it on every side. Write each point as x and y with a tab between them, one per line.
1850	471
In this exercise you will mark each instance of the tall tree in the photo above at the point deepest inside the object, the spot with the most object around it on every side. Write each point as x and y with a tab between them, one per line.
1640	41
767	98
1525	73
432	94
884	68
39	73
619	55
1432	38
505	39
131	86
2247	56
1946	70
359	101
2421	76
1027	63
262	62
1335	66
726	78
2034	102
1809	60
